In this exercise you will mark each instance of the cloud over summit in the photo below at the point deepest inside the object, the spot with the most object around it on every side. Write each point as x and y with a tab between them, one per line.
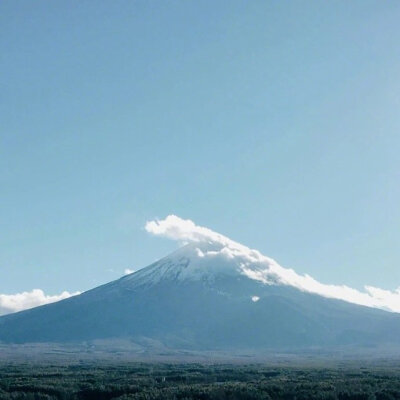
183	230
259	267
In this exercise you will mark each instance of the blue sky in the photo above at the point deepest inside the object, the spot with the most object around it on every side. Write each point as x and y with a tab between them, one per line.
274	123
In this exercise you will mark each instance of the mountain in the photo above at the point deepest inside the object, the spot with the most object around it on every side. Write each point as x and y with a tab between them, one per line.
207	295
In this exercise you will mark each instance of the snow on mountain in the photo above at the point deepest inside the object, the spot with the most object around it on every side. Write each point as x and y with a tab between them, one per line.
210	253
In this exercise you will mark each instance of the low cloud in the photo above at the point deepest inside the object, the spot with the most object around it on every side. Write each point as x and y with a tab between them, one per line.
10	303
259	267
128	271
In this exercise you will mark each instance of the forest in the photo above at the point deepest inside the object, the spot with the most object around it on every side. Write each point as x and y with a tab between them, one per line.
166	381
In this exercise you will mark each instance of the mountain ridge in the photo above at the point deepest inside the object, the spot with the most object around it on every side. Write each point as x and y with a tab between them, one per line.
201	297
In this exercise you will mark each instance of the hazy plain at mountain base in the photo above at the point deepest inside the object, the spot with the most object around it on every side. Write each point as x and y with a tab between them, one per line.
149	350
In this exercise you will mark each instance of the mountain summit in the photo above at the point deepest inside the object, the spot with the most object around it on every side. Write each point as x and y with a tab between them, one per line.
262	268
212	293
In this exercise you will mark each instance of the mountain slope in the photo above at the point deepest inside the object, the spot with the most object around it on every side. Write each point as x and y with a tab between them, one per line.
204	296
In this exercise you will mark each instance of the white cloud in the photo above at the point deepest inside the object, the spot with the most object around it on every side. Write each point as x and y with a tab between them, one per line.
10	303
256	266
184	230
128	271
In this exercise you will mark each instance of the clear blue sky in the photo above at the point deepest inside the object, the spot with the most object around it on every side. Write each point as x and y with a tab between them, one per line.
275	123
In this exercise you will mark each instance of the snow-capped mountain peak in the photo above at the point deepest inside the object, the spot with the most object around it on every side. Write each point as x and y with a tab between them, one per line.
208	253
212	293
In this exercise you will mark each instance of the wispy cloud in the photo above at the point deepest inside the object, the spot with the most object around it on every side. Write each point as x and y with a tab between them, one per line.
10	303
259	267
